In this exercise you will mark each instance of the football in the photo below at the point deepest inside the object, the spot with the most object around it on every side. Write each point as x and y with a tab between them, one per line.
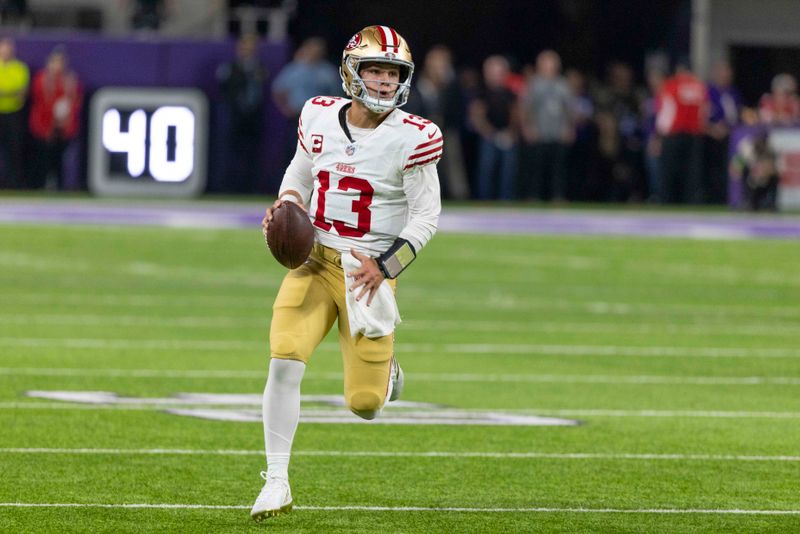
290	235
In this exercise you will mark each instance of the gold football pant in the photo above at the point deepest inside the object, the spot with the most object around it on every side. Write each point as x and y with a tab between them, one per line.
310	299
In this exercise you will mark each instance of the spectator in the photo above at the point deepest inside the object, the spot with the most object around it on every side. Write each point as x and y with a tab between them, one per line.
14	80
469	83
755	165
781	106
306	76
242	85
56	99
494	116
438	98
623	100
725	105
548	128
652	152
610	175
580	153
682	108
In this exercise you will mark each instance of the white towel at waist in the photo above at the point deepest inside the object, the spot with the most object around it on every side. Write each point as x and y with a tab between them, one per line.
379	318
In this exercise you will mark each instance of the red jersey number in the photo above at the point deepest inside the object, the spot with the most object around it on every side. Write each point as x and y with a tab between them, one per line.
323	101
360	206
419	122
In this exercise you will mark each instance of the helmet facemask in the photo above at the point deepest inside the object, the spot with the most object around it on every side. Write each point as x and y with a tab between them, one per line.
358	87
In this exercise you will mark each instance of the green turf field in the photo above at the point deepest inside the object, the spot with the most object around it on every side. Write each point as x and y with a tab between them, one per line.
679	357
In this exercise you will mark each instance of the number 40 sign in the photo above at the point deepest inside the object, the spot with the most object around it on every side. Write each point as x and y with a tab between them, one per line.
149	142
163	122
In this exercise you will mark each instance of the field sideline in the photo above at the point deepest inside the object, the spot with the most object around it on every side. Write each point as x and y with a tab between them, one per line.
620	382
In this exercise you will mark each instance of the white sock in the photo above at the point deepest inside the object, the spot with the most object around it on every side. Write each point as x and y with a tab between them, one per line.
280	410
278	464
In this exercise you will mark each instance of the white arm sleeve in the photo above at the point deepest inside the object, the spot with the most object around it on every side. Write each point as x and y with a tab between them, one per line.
298	175
424	205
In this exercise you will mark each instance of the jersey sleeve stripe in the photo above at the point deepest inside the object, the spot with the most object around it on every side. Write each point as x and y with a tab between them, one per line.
427	153
302	145
430	160
300	134
429	143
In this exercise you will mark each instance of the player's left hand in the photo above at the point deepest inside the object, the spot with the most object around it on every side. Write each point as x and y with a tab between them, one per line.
368	277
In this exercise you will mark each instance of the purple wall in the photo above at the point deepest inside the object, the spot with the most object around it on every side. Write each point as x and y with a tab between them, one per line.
101	61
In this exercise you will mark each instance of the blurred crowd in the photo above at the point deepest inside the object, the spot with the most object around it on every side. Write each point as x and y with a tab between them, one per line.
542	132
535	131
552	134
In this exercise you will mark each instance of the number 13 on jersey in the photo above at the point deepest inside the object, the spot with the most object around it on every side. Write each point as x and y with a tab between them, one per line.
324	215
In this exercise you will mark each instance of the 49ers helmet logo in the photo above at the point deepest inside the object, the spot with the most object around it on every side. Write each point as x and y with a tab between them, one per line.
353	42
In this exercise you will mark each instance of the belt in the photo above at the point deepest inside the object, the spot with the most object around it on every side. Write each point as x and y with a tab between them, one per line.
327	254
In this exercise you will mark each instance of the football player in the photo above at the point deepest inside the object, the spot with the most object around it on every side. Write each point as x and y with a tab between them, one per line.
365	172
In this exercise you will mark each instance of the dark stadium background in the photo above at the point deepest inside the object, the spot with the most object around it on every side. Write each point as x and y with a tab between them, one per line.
587	34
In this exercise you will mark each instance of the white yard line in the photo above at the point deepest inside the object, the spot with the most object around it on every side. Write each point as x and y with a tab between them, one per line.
419	454
68	406
149	344
228	321
602	350
421	377
496	300
605	379
355	508
640	326
545	412
141	300
143	373
592	412
186	321
428	348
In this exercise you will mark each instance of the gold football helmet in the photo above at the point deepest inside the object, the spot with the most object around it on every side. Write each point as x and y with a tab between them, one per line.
376	44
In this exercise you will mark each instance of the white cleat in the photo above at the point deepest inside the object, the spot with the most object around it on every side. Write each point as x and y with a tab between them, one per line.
275	498
397	380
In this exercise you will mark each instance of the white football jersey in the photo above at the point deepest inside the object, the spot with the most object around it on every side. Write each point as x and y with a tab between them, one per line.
358	197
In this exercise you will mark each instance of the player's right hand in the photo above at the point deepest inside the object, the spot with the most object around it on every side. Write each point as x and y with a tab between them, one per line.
268	217
268	214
